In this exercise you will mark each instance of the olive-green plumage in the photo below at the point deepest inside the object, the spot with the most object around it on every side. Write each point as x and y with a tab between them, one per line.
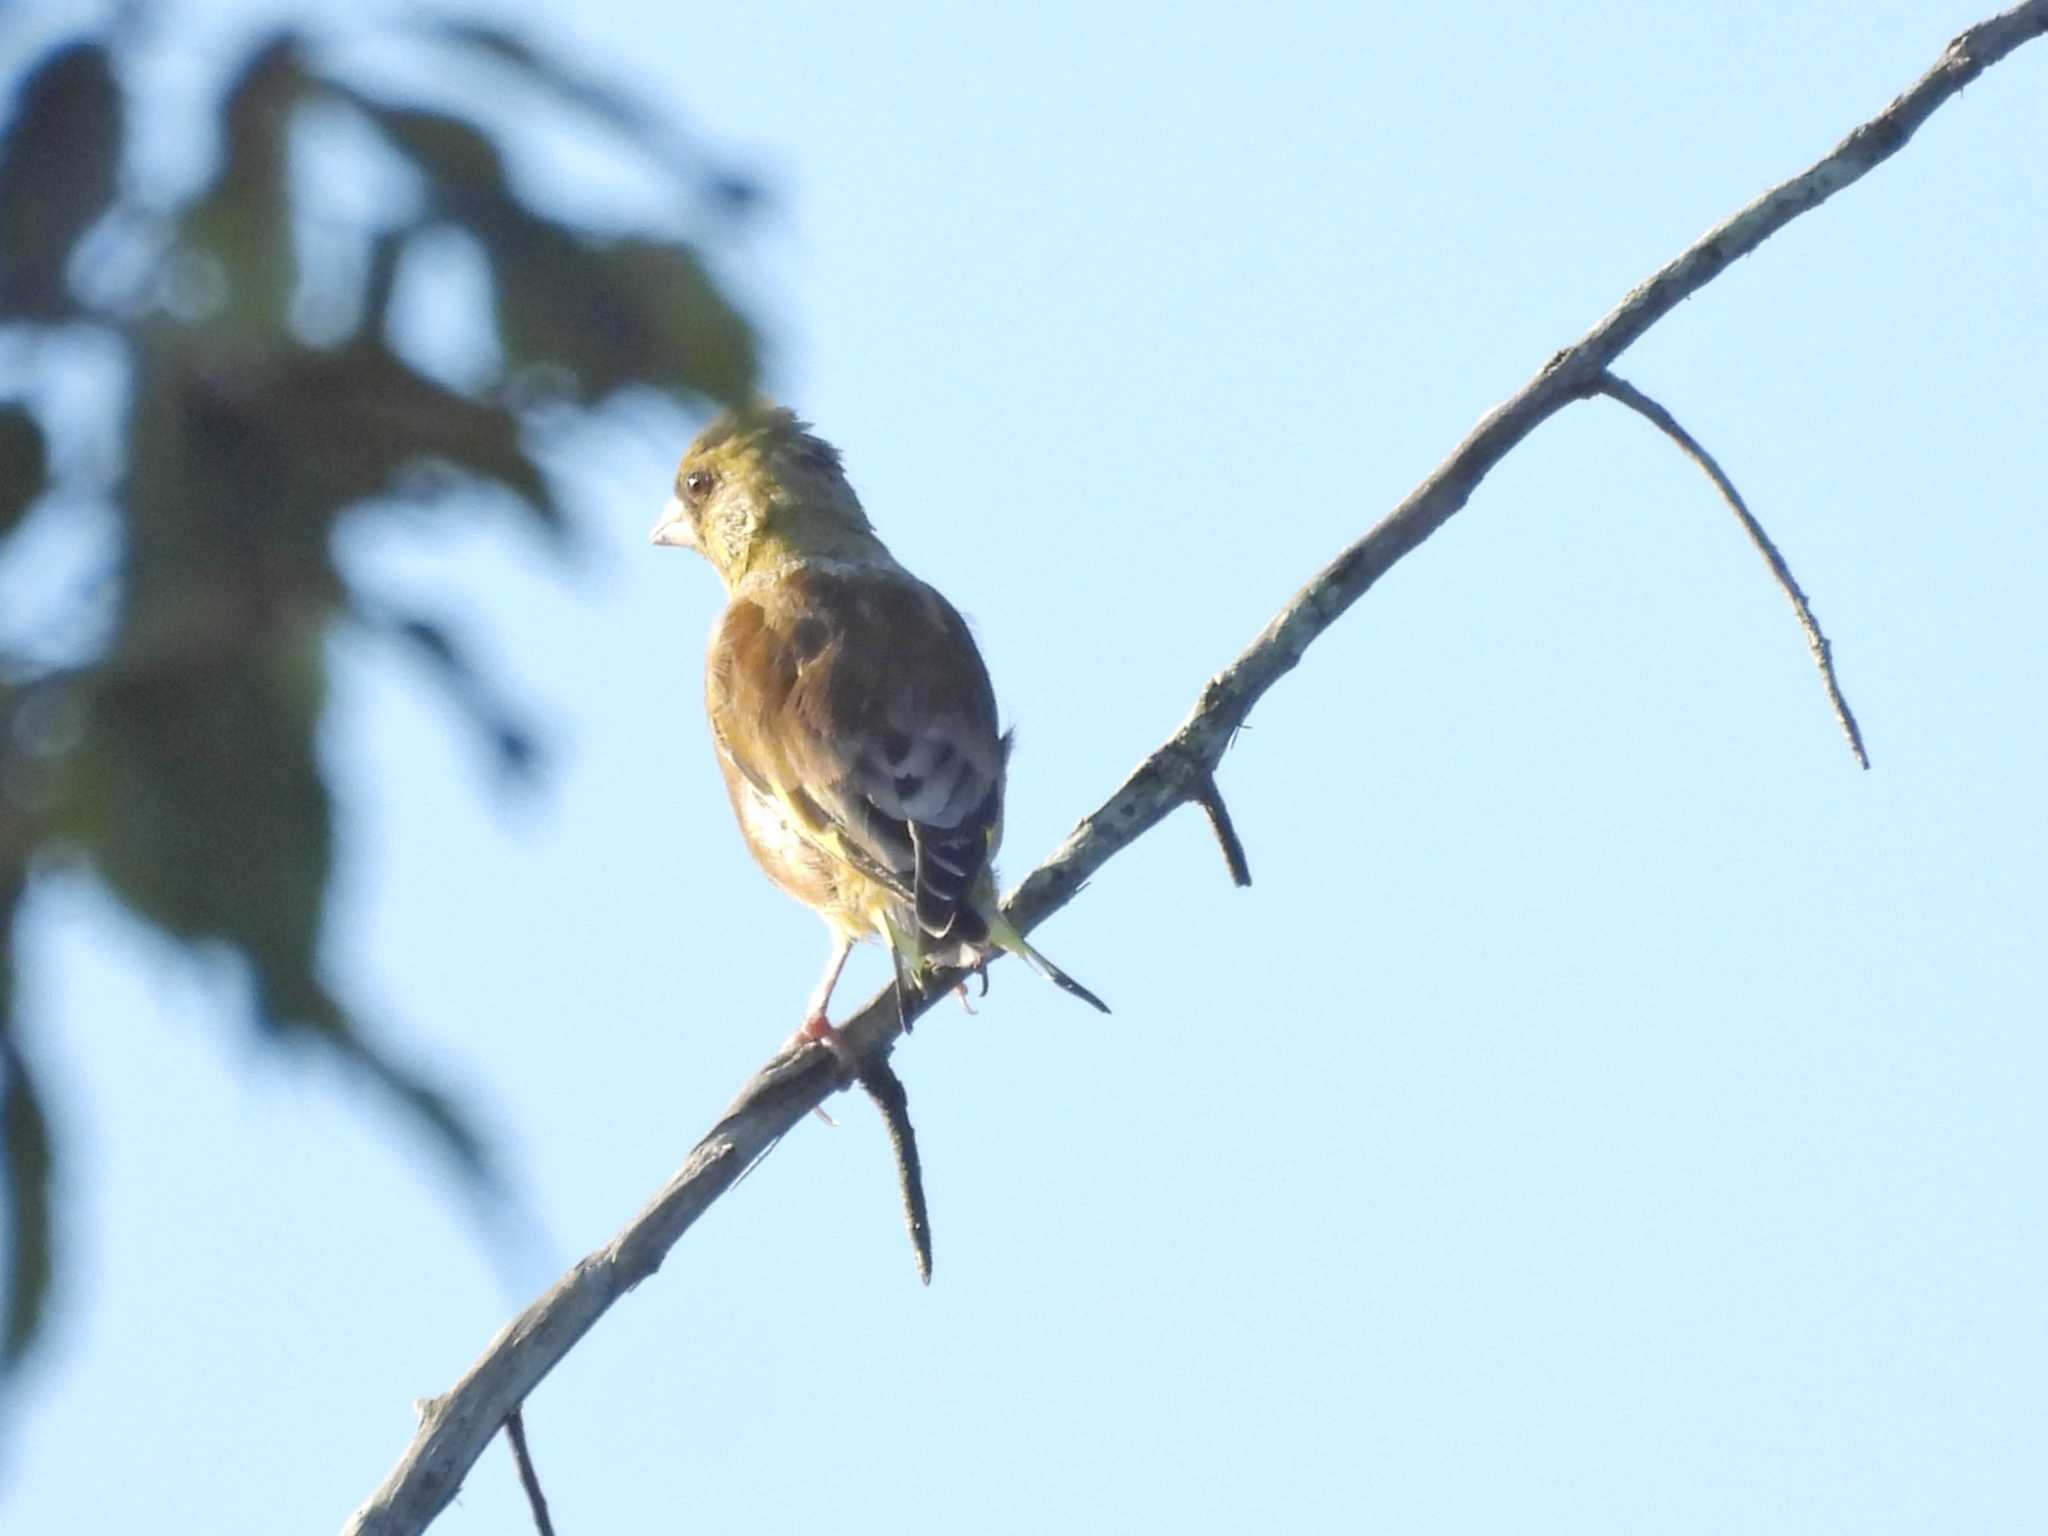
853	718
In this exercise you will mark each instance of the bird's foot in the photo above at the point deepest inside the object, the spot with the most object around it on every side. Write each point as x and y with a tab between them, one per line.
817	1028
980	971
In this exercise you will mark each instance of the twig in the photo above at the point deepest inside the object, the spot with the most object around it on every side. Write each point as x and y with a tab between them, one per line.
1210	798
455	1429
515	1432
887	1090
1617	388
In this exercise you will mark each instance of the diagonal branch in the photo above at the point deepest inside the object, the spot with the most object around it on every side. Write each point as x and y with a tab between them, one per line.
529	1478
1618	388
1209	796
893	1100
454	1429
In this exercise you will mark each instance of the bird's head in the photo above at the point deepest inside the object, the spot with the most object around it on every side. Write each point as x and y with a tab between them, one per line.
758	485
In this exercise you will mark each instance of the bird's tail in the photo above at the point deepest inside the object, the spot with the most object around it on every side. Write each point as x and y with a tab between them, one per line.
1004	935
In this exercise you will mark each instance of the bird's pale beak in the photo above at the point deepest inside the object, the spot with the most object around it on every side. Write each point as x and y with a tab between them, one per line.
674	527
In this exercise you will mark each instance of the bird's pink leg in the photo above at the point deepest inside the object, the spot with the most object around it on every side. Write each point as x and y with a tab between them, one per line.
816	1026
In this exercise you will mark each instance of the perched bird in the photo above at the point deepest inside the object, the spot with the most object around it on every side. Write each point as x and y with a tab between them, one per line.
852	715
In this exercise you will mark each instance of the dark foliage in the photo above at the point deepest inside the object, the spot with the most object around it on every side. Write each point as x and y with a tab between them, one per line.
177	762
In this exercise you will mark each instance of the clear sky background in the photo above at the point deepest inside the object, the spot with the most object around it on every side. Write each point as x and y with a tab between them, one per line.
1609	1110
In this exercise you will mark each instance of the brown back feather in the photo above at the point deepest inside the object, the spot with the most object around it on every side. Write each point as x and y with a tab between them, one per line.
859	701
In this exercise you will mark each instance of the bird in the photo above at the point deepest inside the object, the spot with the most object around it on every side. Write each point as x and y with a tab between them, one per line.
852	714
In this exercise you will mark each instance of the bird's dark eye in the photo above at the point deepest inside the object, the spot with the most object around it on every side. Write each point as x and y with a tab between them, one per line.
698	484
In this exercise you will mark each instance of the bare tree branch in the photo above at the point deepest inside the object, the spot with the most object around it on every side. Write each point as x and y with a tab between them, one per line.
454	1429
1210	798
893	1100
1617	388
529	1478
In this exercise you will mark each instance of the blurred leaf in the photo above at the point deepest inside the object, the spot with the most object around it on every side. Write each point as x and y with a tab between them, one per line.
695	339
508	48
223	534
380	282
24	464
464	170
25	1165
245	469
612	313
242	221
736	193
645	128
205	813
305	1006
201	803
433	1108
27	1190
181	761
355	419
59	160
621	313
557	310
512	744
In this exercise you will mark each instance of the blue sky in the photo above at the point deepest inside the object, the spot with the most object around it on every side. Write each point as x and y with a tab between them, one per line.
1609	1110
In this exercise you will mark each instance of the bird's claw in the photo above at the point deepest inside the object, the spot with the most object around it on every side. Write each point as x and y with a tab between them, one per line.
979	971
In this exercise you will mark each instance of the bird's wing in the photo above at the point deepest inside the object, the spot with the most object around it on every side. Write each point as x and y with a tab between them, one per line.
858	702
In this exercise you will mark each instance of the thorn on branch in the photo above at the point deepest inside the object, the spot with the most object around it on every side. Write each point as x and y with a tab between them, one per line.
1619	389
893	1100
515	1432
1210	799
